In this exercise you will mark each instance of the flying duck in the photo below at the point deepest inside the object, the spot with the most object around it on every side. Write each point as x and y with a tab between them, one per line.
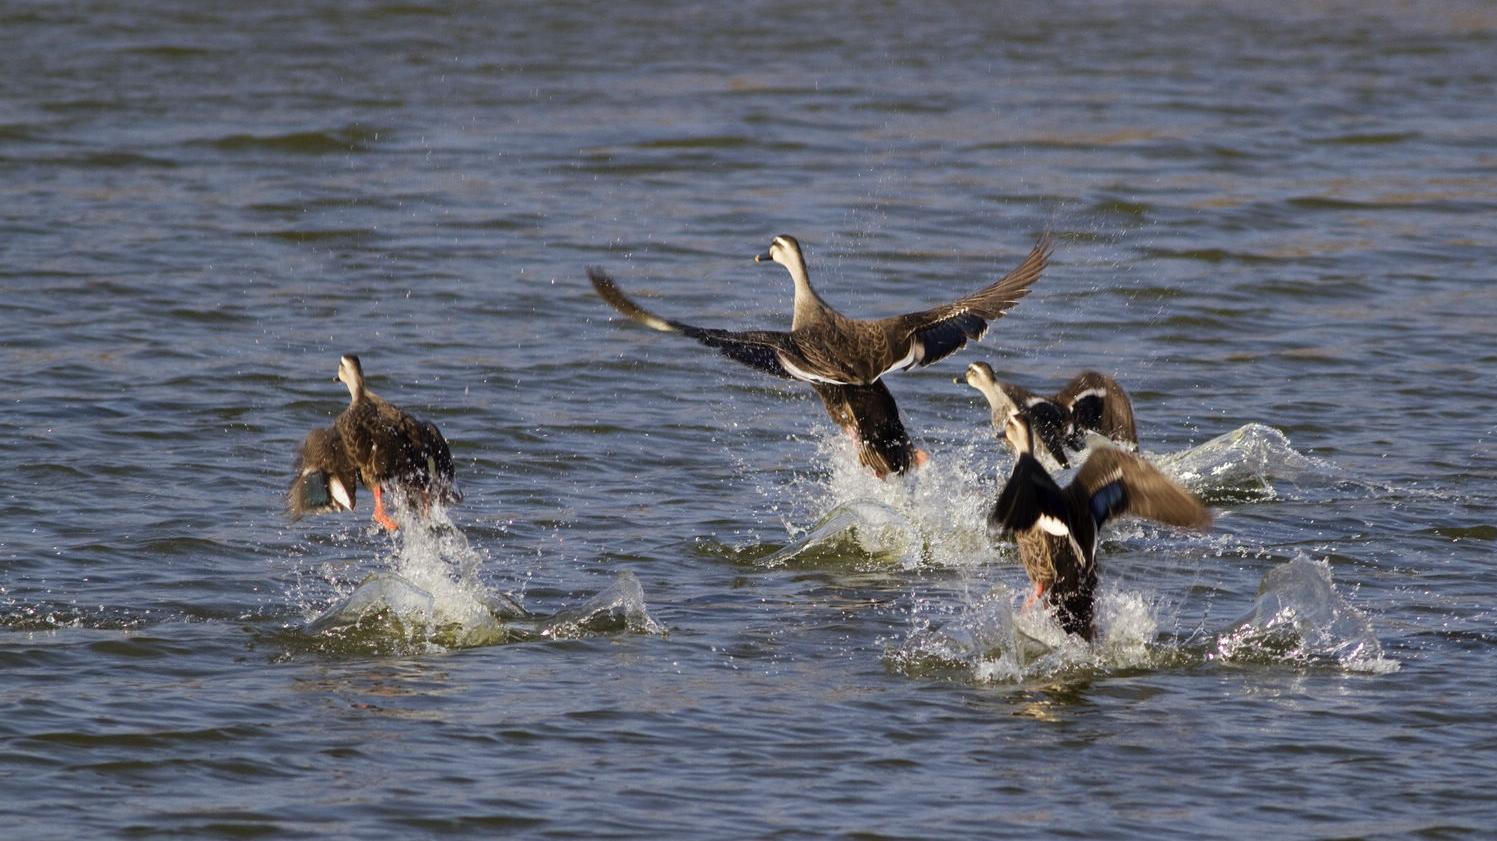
1090	402
844	358
375	443
1056	528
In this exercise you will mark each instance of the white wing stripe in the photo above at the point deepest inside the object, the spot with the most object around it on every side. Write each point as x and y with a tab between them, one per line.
805	375
1051	525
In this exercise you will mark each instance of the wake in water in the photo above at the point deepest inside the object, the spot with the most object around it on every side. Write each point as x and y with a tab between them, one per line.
431	598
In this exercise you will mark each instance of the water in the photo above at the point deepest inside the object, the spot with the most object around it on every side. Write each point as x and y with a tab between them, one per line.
1274	227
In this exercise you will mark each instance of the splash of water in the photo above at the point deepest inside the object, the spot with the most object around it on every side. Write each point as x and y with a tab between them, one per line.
431	598
619	607
430	594
993	641
1300	619
1241	465
935	515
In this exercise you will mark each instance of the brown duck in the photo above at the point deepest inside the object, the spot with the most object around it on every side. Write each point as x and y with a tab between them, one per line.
1090	402
1056	528
375	443
845	358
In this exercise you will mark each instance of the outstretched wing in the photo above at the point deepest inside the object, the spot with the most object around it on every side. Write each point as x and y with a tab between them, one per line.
1114	483
941	331
758	349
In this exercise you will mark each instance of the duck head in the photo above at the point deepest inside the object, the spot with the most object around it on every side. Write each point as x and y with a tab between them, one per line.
1043	419
980	376
351	374
785	250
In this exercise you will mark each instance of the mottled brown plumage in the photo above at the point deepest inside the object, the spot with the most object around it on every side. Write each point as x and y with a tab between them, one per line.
869	416
326	478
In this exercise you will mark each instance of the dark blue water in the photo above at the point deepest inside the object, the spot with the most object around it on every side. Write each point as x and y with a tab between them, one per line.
1276	228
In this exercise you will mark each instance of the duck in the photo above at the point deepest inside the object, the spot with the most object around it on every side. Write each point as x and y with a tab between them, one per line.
373	443
1090	402
844	359
1056	528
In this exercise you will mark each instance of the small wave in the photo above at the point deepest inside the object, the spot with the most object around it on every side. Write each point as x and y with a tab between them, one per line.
329	141
863	531
620	607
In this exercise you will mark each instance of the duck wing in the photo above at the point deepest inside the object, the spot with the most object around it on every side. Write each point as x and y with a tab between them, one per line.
326	478
920	338
438	471
1113	483
758	349
1097	402
1049	420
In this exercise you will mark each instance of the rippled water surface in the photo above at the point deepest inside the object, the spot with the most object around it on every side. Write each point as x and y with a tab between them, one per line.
671	603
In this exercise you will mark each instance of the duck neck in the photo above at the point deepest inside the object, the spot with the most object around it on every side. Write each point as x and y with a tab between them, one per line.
808	305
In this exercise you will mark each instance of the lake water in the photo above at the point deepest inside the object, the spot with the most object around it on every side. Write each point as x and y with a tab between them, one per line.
1275	228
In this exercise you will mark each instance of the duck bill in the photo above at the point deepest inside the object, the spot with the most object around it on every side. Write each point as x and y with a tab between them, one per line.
763	258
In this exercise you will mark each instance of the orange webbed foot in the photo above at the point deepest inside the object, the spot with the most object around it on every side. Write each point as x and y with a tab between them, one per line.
380	515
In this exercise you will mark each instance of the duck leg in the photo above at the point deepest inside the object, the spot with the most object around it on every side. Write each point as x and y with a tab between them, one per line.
380	515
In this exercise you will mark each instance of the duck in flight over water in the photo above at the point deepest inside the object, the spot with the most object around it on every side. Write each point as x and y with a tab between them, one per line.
843	358
375	443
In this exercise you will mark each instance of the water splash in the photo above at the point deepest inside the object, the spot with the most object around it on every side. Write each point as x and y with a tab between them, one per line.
863	529
933	516
620	607
431	598
1300	619
995	641
1242	465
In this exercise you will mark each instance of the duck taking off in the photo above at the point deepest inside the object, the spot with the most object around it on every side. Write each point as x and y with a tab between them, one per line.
1090	402
845	358
1056	528
375	443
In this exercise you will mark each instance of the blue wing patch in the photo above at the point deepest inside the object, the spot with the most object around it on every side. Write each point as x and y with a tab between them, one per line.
947	337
